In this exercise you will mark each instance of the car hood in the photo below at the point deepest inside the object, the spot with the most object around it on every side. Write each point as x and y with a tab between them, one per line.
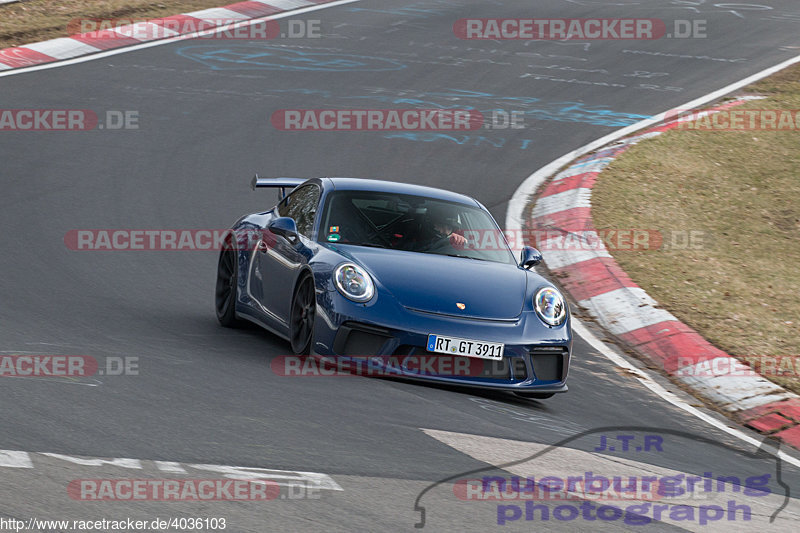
437	283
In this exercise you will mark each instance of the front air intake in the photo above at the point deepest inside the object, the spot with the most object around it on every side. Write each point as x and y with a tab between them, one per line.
360	340
549	362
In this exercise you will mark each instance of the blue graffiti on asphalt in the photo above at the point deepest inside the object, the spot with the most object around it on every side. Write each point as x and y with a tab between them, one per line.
463	140
471	140
265	57
417	10
486	103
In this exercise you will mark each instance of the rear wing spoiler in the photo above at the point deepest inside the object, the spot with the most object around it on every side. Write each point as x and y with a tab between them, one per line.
279	183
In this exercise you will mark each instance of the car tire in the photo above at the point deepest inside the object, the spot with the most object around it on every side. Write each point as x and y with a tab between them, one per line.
301	318
227	280
535	395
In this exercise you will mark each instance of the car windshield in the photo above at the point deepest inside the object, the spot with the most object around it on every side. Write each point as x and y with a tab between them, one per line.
413	224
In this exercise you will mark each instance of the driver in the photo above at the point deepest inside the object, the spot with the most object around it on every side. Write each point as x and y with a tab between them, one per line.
449	230
445	226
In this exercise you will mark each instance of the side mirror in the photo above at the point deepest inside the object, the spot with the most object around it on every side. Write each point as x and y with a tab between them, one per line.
530	257
285	227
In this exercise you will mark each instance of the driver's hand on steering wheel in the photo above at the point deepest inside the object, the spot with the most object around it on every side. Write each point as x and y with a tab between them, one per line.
457	241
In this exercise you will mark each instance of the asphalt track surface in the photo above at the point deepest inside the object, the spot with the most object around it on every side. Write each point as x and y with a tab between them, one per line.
204	394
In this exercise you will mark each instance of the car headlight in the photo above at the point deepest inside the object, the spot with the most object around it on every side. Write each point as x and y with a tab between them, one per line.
353	282
550	306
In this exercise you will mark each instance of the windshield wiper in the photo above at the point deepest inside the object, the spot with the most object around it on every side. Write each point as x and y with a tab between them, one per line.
468	257
367	244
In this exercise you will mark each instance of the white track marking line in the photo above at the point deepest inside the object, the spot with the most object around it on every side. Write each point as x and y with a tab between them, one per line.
281	477
14	459
516	206
116	51
83	461
170	466
521	196
630	308
646	380
515	215
288	478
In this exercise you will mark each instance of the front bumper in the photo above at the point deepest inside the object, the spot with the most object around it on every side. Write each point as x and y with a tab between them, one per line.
536	358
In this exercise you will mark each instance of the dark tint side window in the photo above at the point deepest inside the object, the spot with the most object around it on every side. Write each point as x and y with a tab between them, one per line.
301	205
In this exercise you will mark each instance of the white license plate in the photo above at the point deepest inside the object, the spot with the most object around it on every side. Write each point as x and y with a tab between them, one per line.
465	347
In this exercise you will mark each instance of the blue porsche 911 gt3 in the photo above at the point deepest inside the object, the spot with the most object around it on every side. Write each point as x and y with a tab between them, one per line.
413	279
